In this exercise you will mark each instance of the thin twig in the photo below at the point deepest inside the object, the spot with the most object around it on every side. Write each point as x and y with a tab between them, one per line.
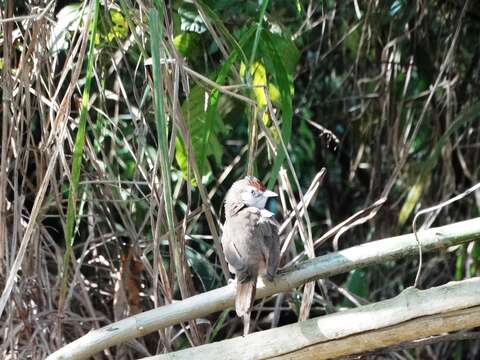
430	209
35	17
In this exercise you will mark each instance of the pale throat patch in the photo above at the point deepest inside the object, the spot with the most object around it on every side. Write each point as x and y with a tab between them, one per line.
251	197
263	212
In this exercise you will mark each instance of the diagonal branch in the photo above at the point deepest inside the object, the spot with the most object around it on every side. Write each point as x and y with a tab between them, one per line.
411	315
324	266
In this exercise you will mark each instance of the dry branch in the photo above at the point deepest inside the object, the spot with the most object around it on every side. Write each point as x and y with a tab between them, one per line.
222	298
411	315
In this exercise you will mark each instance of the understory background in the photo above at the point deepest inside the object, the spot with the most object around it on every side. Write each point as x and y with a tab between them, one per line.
125	122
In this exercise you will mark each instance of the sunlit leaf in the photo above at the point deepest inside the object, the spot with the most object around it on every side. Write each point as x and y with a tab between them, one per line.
259	82
412	199
274	94
205	128
120	27
187	43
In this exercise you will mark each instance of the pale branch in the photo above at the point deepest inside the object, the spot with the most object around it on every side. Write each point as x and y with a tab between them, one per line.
463	335
411	315
204	304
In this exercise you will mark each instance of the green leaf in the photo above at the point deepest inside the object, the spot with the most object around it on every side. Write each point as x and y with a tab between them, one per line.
357	284
459	262
298	7
412	199
205	126
475	258
274	94
203	268
156	19
119	27
259	82
290	53
77	156
219	324
258	31
187	44
182	159
271	48
352	42
203	132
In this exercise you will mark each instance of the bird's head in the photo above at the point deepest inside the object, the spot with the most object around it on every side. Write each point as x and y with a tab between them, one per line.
249	191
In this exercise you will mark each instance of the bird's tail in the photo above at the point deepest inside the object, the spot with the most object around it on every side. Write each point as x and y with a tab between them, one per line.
244	302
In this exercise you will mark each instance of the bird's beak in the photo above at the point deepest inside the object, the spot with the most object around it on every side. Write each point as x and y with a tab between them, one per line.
268	194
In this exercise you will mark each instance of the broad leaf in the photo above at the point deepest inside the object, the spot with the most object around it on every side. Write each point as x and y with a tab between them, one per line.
203	133
273	49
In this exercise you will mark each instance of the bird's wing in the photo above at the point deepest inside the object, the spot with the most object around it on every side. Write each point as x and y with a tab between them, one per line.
268	231
233	247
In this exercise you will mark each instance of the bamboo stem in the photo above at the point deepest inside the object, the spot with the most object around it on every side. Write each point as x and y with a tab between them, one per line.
216	300
413	314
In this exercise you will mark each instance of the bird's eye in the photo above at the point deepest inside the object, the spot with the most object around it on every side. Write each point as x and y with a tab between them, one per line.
252	192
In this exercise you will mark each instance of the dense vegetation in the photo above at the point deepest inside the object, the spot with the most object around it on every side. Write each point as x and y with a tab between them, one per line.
124	123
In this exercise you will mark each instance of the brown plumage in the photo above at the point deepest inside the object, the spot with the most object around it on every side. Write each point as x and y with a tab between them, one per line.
250	240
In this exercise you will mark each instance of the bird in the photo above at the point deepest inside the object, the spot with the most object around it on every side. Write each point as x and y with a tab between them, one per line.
250	241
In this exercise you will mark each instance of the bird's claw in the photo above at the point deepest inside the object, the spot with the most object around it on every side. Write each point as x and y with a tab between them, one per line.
269	277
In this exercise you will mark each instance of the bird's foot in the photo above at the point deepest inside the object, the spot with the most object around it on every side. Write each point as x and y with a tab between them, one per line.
268	277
